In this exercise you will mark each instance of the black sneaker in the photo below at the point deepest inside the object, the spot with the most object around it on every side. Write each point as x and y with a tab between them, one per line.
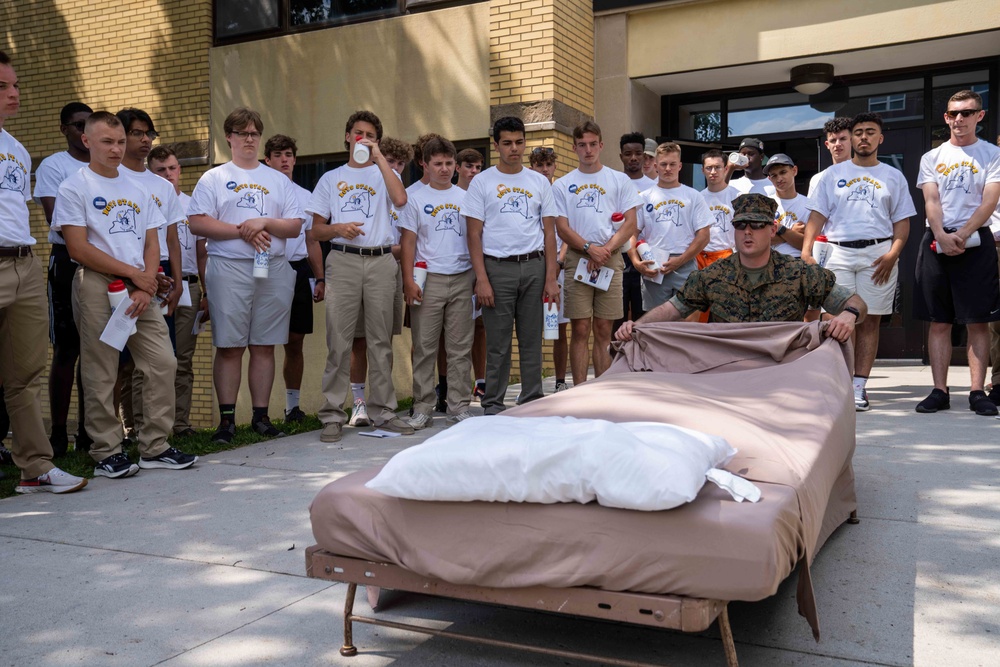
442	395
59	443
225	432
295	415
6	458
115	466
264	427
980	403
171	459
937	400
994	395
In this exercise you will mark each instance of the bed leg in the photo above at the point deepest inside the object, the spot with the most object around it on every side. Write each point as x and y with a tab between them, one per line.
349	649
853	519
727	638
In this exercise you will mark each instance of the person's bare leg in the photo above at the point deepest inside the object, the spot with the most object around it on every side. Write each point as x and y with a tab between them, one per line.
560	353
866	345
979	354
261	372
294	364
227	373
579	355
602	339
359	361
939	353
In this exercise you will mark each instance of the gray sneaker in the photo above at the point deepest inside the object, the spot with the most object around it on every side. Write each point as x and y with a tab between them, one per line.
460	417
420	421
396	425
331	432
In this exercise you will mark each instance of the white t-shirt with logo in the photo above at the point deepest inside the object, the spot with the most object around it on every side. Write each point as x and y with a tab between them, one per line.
671	217
117	212
790	212
720	207
15	192
748	186
814	183
188	240
435	216
642	183
295	249
166	200
49	175
511	207
862	203
589	200
961	173
234	195
356	194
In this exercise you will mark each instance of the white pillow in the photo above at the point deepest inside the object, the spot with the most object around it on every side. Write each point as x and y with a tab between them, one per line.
633	465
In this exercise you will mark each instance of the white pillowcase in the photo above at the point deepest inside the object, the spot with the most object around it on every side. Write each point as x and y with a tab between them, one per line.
633	465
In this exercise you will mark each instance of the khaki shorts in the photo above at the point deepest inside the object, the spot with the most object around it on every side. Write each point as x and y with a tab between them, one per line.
584	301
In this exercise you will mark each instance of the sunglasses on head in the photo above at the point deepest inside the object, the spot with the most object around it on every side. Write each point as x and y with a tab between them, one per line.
754	224
964	113
543	150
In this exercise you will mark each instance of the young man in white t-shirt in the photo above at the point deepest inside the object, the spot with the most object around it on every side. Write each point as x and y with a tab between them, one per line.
753	180
433	231
649	160
837	139
793	208
470	163
719	196
306	259
676	223
23	317
631	154
586	199
863	207
63	335
960	180
164	163
352	207
109	221
247	211
511	226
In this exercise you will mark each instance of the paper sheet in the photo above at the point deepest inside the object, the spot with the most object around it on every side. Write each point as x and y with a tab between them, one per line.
185	294
599	279
661	257
476	310
119	327
199	326
312	286
379	433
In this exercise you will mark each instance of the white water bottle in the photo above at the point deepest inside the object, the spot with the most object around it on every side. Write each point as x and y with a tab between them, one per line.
160	299
971	242
361	152
116	294
739	160
821	250
261	262
550	330
645	252
420	277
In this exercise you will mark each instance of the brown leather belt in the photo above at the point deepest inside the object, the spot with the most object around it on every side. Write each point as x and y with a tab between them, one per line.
18	251
517	258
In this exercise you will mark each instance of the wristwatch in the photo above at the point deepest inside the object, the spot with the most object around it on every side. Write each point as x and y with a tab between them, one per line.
854	311
586	246
781	230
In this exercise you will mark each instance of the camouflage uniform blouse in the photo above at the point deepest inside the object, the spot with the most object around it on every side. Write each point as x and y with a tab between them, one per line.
786	289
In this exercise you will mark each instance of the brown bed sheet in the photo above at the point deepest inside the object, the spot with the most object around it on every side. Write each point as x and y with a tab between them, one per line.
778	392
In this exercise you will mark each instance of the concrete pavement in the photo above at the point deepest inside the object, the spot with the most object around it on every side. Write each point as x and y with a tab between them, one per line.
206	566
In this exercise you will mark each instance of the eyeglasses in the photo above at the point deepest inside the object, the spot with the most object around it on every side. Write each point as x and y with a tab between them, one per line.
248	135
544	151
80	125
964	113
713	168
756	225
139	134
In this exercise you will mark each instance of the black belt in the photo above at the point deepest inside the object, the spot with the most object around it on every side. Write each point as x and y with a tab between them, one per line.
517	258
60	252
364	252
17	251
192	279
864	243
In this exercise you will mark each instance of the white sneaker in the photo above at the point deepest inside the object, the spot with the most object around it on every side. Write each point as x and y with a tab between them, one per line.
861	403
359	415
54	481
420	421
460	417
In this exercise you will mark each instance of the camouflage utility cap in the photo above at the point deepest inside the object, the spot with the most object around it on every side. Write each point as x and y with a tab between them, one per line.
754	208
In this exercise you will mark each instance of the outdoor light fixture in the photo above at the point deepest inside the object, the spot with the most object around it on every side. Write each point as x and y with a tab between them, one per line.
813	78
831	100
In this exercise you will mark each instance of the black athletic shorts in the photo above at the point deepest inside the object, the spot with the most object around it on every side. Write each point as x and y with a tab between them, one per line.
62	328
964	289
301	321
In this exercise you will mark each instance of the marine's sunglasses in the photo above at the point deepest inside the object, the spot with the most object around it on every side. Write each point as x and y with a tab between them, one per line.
964	113
754	224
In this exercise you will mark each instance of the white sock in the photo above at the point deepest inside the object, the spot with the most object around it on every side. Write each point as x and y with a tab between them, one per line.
291	399
358	390
859	383
480	380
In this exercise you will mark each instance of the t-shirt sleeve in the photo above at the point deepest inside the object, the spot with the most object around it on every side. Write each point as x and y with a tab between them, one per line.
814	184
629	194
992	170
155	219
203	199
47	180
408	216
173	212
319	202
70	209
902	207
474	205
640	217
927	173
291	208
549	209
701	216
559	199
822	198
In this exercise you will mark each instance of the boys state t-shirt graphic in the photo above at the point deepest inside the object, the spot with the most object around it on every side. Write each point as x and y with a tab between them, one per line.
121	213
252	197
667	211
13	175
589	196
515	200
446	217
356	198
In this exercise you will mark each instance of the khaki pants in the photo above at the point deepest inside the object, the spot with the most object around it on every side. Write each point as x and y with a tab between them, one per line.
447	305
24	325
995	342
153	357
186	345
350	281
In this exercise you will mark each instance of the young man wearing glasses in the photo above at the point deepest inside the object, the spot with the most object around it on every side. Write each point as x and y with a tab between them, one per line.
243	208
960	180
758	284
63	335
